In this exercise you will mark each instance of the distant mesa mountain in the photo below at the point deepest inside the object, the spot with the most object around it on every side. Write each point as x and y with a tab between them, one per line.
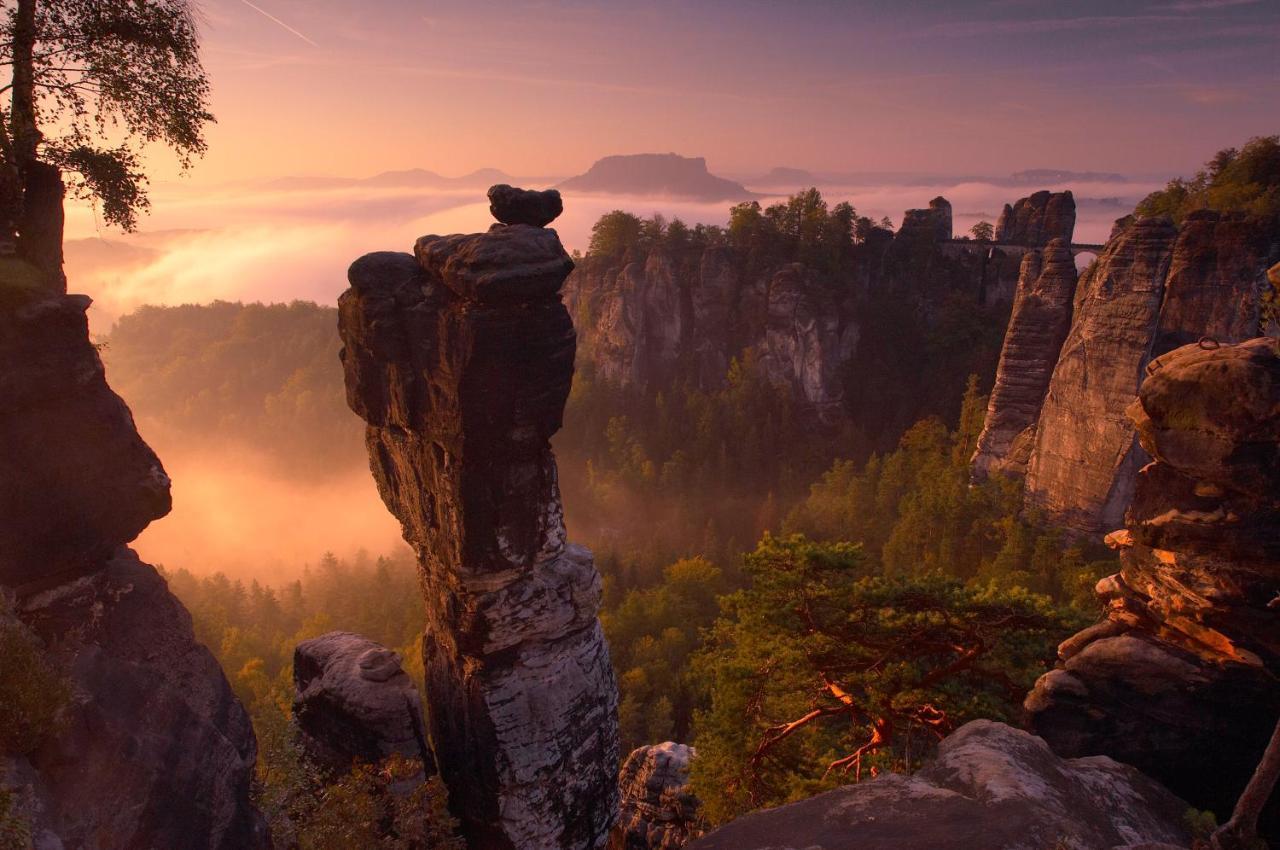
794	178
650	174
1046	176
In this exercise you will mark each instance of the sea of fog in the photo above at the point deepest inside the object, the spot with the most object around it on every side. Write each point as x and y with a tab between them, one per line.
272	243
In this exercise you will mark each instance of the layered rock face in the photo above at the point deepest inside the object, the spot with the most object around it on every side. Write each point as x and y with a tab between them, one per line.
460	360
991	788
1154	287
834	339
1180	678
658	810
77	479
154	749
1037	328
1038	219
353	702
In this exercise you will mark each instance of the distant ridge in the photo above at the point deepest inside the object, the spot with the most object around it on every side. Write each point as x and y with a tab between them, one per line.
412	178
792	178
649	174
1044	176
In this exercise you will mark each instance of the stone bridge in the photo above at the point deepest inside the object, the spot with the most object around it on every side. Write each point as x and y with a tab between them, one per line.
955	247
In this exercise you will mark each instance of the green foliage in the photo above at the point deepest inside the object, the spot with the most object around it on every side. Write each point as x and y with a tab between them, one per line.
983	231
33	693
15	831
652	634
125	70
820	667
264	375
916	512
1247	179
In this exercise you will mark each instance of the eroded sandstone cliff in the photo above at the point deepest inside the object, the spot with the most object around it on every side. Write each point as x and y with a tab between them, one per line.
658	810
1038	219
1154	287
152	749
1180	678
1037	328
875	343
460	359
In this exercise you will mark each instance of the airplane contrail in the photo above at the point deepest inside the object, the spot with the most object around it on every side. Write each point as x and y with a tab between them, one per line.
272	17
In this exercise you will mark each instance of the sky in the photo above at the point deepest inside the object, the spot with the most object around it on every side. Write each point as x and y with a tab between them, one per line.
354	87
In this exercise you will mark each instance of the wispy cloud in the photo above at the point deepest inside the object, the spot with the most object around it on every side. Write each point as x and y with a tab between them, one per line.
1206	5
1048	25
274	19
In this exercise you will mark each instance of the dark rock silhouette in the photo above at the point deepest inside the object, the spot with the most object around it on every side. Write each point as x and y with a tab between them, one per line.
934	221
460	361
76	480
657	174
658	810
353	701
155	750
990	788
510	205
1180	678
1038	219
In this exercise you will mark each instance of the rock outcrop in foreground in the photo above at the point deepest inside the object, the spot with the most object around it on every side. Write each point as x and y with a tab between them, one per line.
153	749
460	360
658	810
1180	678
991	788
353	702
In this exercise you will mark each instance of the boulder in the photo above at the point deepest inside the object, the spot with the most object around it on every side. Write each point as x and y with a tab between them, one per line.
353	702
658	810
510	205
460	362
991	787
154	749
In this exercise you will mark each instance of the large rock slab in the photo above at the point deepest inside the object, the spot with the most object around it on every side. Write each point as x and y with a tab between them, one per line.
354	702
155	750
1180	679
991	788
460	362
76	480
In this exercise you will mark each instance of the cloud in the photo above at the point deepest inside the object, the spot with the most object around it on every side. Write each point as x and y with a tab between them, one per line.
1206	5
1047	25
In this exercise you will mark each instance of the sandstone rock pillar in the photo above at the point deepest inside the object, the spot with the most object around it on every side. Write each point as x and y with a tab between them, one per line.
460	360
1180	679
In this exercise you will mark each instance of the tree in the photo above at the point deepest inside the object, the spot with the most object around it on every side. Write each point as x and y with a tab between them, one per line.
614	234
1247	179
92	81
983	231
820	668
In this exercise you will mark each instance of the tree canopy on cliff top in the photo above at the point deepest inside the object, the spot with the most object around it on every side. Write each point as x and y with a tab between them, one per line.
1247	179
91	83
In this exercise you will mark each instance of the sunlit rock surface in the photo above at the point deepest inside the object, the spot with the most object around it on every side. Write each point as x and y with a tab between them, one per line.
353	702
658	810
460	361
1180	679
991	788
